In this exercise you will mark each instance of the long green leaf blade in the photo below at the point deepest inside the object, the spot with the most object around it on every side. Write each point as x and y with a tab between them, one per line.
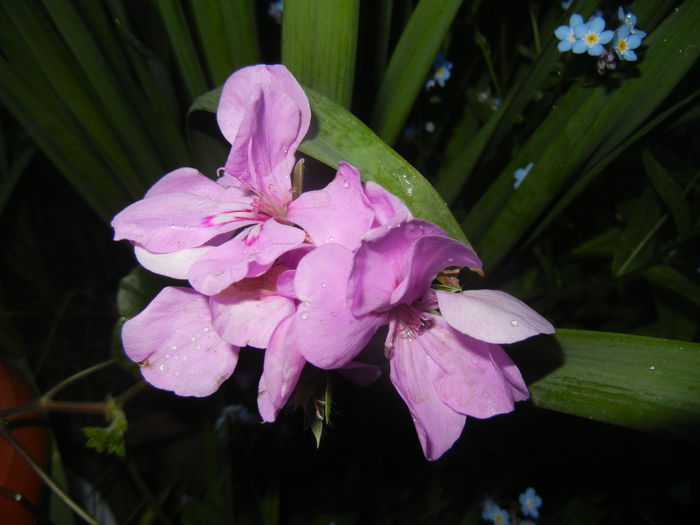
409	65
637	382
319	40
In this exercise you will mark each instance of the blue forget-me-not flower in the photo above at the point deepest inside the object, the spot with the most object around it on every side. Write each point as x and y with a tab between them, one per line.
442	71
566	33
530	502
591	37
625	42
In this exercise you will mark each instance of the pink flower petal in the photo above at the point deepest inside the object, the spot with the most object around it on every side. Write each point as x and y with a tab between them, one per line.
491	315
339	213
468	381
176	264
387	206
262	155
176	345
248	312
191	181
518	388
251	253
168	222
328	335
244	85
281	370
413	374
396	264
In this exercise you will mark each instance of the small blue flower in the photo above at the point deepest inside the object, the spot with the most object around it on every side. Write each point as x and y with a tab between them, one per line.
442	71
566	4
530	502
520	174
629	20
274	10
591	37
500	517
566	33
625	42
488	507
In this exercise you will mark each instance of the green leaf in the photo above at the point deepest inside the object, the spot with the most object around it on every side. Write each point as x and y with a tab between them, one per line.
669	191
183	46
109	439
228	34
632	381
319	41
635	246
673	280
409	65
337	135
586	125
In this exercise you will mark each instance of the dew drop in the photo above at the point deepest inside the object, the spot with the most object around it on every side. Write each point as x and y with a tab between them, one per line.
323	285
161	368
652	367
304	315
331	238
185	357
323	321
334	314
167	356
514	323
206	329
346	184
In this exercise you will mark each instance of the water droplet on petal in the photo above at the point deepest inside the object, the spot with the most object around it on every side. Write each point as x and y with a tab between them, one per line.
304	315
514	323
346	184
323	321
334	314
323	285
161	368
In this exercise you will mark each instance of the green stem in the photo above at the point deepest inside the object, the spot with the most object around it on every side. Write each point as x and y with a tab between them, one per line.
72	379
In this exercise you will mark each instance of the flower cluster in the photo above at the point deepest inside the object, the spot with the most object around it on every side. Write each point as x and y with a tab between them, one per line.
309	277
592	38
530	504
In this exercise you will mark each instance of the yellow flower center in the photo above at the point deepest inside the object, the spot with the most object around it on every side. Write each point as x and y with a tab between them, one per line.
622	45
591	38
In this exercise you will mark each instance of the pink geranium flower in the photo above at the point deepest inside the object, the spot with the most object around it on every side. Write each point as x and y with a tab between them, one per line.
445	367
187	226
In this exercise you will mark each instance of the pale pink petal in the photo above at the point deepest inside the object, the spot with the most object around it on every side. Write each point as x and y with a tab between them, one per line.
338	213
262	155
169	222
285	284
396	264
511	373
244	85
468	381
413	373
281	370
176	264
249	254
362	374
491	315
428	257
387	206
328	335
191	181
176	345
248	312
